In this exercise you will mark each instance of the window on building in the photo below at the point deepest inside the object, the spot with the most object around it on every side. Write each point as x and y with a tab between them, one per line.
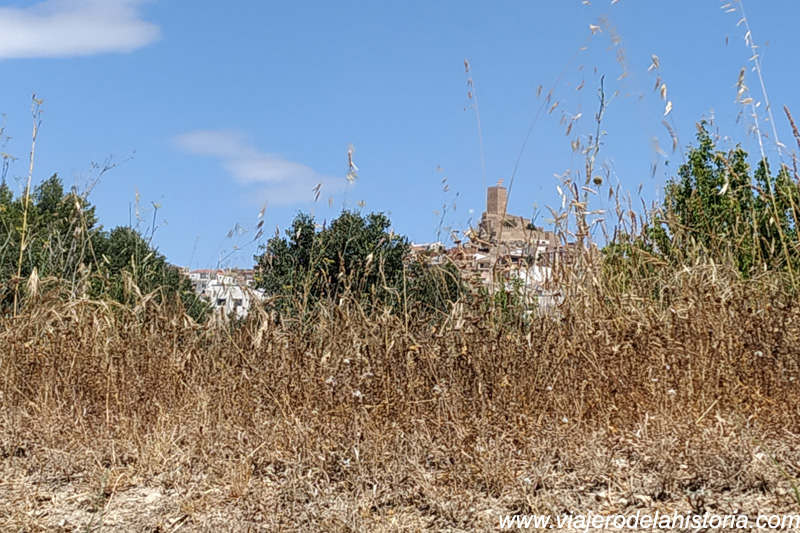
221	302
237	302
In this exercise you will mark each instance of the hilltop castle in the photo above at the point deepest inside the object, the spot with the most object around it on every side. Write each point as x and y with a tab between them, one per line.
502	234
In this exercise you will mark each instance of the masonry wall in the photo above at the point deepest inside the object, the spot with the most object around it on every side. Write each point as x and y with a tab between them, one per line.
496	200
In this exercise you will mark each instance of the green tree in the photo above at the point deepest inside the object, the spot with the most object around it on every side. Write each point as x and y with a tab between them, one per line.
124	252
61	232
64	241
356	255
716	207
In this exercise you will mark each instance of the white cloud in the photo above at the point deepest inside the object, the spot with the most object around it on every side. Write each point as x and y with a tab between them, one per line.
283	182
66	28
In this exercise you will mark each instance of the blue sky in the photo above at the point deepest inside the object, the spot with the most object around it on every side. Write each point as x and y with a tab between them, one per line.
213	109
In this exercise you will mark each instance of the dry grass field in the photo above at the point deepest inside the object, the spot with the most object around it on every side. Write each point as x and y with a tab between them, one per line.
119	419
668	380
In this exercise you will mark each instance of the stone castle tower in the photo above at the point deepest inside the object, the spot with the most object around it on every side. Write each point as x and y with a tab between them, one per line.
503	233
496	200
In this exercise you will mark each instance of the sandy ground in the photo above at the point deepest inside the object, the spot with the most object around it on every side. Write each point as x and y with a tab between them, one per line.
39	499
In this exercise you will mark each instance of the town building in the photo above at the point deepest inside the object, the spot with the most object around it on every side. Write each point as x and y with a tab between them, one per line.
230	292
506	252
503	235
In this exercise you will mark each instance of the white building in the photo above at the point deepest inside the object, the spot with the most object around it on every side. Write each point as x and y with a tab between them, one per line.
537	286
228	296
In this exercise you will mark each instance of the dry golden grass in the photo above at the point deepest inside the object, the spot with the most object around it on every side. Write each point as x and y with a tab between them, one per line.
115	420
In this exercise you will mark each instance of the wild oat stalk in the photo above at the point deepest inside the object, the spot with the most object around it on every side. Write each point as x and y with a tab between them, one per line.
472	95
756	58
742	90
591	157
37	122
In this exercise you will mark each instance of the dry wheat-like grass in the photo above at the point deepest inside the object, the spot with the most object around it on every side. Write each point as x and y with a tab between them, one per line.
141	421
